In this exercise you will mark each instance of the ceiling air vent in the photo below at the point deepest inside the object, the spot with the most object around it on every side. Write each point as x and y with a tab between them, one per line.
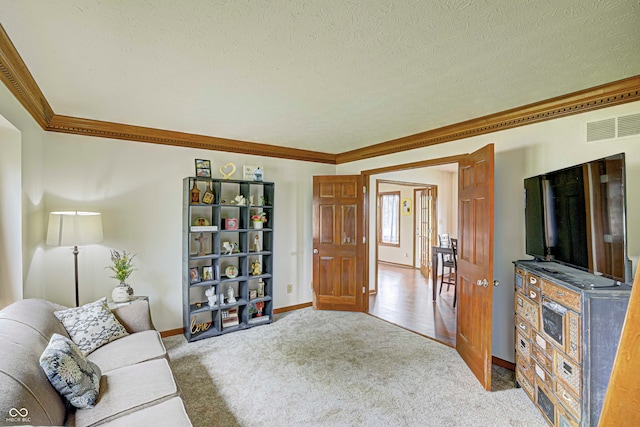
602	129
629	125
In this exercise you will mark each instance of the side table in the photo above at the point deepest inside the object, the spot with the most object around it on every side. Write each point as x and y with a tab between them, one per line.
113	305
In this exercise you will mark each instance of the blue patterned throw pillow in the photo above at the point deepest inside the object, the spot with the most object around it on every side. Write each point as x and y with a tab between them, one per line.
68	370
92	325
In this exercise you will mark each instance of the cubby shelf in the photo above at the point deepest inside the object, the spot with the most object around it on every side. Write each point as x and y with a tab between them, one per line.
205	250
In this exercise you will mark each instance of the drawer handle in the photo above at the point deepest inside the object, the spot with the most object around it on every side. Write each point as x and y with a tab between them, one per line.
522	325
533	280
532	294
566	397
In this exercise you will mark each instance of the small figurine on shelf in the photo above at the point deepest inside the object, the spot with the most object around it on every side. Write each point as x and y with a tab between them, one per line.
230	295
211	296
251	200
195	193
230	248
201	239
259	307
256	268
240	200
260	289
256	243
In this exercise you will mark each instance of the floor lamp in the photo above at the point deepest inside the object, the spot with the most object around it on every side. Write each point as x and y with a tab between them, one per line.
74	229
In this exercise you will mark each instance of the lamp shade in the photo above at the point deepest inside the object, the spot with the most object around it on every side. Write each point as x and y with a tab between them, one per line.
74	228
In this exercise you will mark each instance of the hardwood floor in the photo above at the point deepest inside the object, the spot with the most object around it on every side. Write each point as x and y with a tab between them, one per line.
404	298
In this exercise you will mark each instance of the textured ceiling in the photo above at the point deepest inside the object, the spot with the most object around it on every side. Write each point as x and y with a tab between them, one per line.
323	75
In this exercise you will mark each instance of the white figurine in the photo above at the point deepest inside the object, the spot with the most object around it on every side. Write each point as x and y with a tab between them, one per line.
211	296
230	297
240	200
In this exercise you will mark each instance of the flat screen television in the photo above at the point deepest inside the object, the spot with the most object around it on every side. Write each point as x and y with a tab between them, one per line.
577	217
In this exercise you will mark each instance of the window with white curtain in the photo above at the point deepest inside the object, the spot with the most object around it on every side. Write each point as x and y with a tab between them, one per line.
389	218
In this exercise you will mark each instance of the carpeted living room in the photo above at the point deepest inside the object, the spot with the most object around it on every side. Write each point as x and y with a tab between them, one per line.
191	225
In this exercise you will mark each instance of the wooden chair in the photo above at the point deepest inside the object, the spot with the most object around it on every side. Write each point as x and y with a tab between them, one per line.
449	262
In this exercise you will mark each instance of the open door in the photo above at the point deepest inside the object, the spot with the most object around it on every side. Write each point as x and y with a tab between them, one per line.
338	246
475	262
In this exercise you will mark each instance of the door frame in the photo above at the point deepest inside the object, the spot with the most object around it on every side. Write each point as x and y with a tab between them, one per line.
366	177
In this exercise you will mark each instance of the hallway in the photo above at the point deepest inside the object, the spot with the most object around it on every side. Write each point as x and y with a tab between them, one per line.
404	298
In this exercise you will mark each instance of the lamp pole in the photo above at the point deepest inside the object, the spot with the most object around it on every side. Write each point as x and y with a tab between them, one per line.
75	259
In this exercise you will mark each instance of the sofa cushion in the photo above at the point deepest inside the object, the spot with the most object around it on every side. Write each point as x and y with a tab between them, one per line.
92	325
168	413
37	314
69	372
129	350
22	383
129	389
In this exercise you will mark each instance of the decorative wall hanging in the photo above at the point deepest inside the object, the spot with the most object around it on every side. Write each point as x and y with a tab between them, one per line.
406	206
228	170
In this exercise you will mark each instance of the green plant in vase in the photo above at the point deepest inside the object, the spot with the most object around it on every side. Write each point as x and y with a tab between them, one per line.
122	266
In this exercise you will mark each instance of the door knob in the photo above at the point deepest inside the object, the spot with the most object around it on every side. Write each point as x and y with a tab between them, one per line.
482	282
315	251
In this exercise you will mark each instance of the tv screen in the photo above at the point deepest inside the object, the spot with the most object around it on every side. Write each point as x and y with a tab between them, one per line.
576	216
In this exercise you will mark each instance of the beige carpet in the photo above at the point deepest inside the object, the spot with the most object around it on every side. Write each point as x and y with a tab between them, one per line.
320	368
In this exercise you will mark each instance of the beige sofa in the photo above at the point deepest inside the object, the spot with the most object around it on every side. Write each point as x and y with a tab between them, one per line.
137	386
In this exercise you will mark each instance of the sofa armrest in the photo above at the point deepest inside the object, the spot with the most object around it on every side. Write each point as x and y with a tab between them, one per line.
135	317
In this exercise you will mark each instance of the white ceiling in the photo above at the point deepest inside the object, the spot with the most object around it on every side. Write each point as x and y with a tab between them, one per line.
323	75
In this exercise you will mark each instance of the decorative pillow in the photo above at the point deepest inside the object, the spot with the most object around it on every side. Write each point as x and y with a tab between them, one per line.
92	325
68	370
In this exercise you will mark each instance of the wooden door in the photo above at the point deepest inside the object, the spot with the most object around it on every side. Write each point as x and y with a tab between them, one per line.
475	262
338	247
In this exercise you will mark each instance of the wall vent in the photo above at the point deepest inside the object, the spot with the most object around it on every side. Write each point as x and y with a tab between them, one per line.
629	125
602	129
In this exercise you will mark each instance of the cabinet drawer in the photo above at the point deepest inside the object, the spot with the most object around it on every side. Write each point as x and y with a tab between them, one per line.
523	380
533	293
567	399
523	345
528	310
543	344
522	326
567	371
525	369
519	277
564	419
545	402
542	374
573	342
542	358
562	295
533	280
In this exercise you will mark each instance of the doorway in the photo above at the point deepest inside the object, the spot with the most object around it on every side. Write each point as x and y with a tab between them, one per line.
402	290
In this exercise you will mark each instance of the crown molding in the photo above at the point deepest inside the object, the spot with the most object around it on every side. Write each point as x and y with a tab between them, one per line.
16	76
89	127
607	95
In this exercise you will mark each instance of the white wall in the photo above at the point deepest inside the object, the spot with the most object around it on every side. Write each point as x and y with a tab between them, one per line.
138	189
26	216
10	214
520	153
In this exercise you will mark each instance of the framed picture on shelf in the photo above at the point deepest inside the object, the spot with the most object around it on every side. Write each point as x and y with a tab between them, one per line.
203	168
207	272
194	275
253	293
252	173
